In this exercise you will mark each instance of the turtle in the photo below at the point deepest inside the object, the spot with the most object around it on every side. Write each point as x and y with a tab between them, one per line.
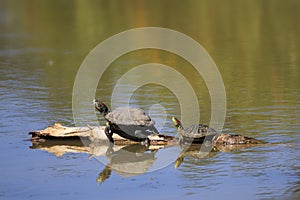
197	134
128	122
194	133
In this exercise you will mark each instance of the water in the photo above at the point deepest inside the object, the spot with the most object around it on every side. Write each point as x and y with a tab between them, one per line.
254	45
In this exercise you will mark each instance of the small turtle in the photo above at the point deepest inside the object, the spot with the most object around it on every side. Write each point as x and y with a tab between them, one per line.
129	123
193	133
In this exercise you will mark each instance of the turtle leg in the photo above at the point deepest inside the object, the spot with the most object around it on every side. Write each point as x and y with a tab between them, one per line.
109	134
142	137
146	142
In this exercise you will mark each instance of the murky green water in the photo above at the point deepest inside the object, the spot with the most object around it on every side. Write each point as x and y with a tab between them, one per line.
253	43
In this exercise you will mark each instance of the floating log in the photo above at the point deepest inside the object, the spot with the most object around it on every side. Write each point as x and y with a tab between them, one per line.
94	134
129	158
225	139
60	131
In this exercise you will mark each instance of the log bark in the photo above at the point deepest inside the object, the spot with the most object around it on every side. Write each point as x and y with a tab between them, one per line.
59	140
94	134
53	139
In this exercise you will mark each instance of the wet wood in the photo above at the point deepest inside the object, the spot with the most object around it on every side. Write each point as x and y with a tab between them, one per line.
229	139
56	139
94	134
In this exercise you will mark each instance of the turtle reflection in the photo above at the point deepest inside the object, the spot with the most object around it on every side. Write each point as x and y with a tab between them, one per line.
210	148
198	151
128	161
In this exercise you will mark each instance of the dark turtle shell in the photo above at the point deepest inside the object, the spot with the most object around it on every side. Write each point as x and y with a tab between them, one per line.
129	116
197	131
131	123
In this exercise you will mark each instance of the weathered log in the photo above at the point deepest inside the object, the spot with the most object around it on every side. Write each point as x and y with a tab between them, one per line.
60	131
126	157
94	134
225	139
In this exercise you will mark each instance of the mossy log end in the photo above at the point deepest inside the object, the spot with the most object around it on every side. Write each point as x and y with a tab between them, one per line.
229	139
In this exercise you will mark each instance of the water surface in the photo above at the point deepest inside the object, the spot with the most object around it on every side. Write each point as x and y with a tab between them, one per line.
254	45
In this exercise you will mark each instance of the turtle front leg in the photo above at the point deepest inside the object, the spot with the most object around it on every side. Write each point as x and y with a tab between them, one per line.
146	142
142	137
109	134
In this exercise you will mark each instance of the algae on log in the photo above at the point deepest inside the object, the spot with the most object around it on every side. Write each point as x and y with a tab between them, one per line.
225	139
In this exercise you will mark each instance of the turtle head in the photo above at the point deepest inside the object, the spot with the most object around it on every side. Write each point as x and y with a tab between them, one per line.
177	123
100	106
